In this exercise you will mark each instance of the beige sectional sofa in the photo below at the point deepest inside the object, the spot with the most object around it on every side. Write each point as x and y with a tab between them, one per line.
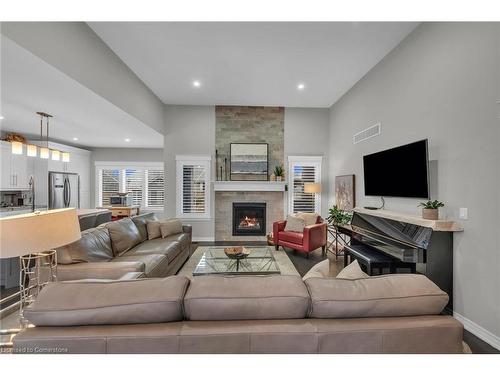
242	314
117	248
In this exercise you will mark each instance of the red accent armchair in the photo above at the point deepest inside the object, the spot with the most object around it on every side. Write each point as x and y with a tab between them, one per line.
313	237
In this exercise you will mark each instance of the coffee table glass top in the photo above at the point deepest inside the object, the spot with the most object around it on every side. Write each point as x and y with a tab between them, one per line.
260	262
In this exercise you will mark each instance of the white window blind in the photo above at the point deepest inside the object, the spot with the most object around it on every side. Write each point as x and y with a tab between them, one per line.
144	182
304	170
193	186
155	188
110	185
193	189
134	185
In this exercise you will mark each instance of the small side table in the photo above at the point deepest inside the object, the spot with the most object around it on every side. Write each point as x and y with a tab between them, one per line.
338	243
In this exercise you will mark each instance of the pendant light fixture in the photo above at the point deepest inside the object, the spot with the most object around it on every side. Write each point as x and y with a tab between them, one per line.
17	147
44	151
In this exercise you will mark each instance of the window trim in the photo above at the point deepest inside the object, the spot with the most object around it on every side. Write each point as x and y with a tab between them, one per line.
180	161
315	161
143	166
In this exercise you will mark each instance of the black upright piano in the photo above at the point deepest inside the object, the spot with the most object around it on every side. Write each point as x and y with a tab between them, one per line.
413	245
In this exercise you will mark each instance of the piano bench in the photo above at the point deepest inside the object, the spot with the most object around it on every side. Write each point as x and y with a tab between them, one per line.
369	258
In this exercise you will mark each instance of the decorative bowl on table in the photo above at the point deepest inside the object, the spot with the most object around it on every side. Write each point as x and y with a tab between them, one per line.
238	252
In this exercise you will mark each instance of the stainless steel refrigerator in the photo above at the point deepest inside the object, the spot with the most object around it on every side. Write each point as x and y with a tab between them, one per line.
64	190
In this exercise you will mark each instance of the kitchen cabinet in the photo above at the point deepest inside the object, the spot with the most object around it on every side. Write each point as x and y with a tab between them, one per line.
16	169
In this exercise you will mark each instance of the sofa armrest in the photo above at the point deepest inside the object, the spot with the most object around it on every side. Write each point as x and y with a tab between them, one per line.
186	228
314	236
278	226
97	270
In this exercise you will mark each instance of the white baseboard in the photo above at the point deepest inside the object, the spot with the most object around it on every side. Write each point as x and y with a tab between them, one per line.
478	331
203	239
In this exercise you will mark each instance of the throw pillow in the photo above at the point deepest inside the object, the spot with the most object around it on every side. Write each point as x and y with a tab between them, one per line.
124	235
170	227
309	217
295	224
352	271
321	269
153	227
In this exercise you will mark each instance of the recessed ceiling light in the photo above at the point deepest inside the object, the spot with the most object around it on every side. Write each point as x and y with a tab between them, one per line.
75	139
1	117
196	83
127	139
301	86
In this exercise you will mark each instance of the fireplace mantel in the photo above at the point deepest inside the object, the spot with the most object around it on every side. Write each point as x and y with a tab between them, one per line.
249	186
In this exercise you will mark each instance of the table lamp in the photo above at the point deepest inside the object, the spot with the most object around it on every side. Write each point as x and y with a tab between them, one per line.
312	187
33	237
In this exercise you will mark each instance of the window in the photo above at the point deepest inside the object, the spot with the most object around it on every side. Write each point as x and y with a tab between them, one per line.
193	186
301	170
110	184
143	181
155	188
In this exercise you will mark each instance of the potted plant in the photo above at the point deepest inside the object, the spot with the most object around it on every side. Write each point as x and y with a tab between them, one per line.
430	209
338	216
279	173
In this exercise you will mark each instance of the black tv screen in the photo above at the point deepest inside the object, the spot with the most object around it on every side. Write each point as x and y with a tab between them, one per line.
398	172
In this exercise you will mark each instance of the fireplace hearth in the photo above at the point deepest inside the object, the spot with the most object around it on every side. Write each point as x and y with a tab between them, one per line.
249	219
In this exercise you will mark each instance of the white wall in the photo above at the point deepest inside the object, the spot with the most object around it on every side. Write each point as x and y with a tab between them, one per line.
306	133
74	49
189	130
441	83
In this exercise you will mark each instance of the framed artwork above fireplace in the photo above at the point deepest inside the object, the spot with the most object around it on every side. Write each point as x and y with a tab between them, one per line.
249	161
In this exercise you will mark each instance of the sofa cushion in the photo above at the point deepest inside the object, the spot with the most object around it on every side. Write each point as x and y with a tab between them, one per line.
154	264
352	271
169	227
153	227
116	302
246	297
295	224
388	295
156	246
293	237
140	222
93	246
124	235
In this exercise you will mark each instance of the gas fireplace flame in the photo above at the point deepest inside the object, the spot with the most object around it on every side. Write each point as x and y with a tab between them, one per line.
249	222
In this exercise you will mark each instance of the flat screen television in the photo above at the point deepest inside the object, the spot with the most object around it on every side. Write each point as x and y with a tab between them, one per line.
398	172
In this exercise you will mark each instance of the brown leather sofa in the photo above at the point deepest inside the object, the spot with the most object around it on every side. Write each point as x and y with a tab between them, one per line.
116	248
242	314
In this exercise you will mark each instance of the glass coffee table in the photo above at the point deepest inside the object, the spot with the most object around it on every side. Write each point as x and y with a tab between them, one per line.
215	262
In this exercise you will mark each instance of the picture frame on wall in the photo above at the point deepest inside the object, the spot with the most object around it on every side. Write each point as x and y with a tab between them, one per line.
249	161
345	197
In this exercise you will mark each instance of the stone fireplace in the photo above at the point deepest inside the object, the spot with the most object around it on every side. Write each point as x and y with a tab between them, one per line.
249	219
246	210
271	205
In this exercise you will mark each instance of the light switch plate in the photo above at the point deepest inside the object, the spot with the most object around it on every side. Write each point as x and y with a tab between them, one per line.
464	214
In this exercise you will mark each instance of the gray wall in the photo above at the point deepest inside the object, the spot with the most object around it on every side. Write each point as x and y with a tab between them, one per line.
189	130
306	133
74	49
441	83
120	155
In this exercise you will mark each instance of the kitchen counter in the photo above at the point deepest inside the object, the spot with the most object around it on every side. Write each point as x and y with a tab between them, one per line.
90	211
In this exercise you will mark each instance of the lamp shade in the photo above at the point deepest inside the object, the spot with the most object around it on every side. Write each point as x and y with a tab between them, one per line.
35	232
312	187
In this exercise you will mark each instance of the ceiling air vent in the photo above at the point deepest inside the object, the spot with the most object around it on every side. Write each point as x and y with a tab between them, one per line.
370	132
